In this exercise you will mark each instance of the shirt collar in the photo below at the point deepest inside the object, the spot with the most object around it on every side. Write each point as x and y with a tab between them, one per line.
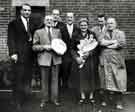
24	22
70	25
47	28
23	19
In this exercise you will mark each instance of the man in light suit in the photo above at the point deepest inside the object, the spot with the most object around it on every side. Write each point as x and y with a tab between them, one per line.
48	60
101	25
68	32
20	51
99	30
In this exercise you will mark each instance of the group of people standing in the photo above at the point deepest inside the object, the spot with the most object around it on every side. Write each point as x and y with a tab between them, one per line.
101	68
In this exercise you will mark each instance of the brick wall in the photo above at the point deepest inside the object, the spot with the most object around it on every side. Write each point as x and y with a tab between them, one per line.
4	19
122	10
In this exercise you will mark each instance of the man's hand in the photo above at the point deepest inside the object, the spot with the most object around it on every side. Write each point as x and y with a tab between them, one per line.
113	46
47	47
14	57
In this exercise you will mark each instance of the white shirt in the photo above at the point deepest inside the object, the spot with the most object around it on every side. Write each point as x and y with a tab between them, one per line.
24	22
103	29
55	23
70	29
46	28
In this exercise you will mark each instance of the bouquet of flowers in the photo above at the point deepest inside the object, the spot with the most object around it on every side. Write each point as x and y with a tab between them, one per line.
85	47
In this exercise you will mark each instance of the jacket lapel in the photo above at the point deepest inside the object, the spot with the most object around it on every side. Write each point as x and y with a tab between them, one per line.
21	25
74	28
66	30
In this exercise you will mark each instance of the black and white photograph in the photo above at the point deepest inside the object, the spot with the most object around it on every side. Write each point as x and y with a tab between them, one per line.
67	55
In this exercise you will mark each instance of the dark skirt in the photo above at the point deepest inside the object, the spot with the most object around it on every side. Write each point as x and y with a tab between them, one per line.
85	79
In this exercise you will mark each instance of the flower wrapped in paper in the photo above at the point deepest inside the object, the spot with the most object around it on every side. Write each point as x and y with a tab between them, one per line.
85	47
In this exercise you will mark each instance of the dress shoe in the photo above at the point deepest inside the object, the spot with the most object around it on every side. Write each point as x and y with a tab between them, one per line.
81	101
92	100
119	106
57	103
42	105
104	103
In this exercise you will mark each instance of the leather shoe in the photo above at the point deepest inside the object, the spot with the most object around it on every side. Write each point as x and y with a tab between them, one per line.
42	105
81	101
57	103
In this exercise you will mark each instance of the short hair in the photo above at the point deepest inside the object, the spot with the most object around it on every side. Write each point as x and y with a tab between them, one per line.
112	19
56	10
48	16
70	13
101	15
84	19
25	4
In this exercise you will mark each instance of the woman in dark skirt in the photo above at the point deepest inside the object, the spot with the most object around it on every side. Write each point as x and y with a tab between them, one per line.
85	63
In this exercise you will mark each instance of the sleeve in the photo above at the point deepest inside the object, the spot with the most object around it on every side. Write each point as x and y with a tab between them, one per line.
60	34
121	40
36	43
11	39
74	49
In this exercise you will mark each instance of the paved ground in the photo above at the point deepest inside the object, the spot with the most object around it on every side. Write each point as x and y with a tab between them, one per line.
68	104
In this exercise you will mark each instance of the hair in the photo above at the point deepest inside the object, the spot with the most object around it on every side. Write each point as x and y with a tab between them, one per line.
48	16
113	19
25	4
70	13
101	15
84	19
56	10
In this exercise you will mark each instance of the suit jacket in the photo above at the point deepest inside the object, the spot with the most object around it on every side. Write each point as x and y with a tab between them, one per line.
68	40
116	35
46	58
18	41
97	31
59	25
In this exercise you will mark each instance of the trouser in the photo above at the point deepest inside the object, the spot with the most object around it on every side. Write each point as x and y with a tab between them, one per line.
49	81
66	71
22	81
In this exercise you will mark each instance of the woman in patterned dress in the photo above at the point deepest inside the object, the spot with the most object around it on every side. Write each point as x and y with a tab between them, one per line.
112	69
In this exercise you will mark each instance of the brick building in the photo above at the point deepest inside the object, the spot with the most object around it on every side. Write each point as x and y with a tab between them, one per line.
122	10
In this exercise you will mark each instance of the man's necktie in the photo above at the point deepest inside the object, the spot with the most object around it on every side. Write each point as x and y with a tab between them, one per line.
49	33
28	30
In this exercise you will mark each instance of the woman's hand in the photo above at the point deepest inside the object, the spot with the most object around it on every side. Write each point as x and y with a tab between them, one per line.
79	60
85	55
114	45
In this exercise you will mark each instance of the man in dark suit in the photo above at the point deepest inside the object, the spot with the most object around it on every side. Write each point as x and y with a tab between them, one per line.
68	32
57	20
20	51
